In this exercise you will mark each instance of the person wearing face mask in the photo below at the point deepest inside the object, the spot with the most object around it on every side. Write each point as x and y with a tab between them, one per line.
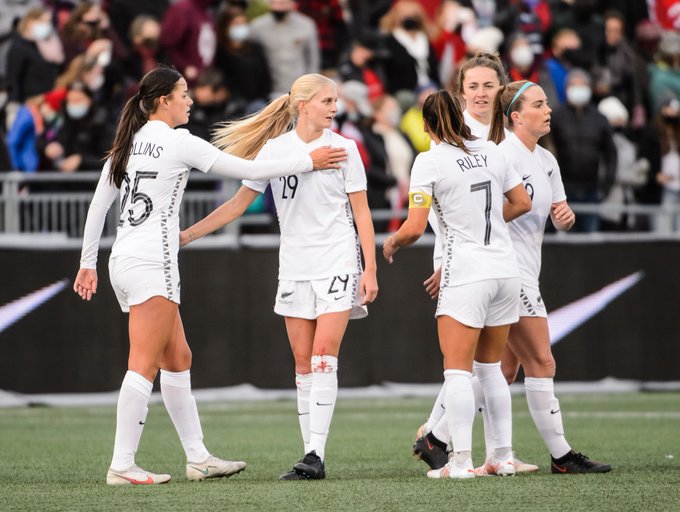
668	127
242	61
29	73
144	54
85	135
584	145
290	41
412	61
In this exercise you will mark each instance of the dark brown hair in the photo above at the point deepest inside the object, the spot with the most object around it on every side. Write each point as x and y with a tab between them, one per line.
444	118
156	83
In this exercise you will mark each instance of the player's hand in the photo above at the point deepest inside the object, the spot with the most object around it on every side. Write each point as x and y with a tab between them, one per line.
85	284
389	248
563	215
368	287
185	237
431	284
327	157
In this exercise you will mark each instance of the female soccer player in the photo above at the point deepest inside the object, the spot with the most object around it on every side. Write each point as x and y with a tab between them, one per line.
479	80
321	284
525	106
148	167
464	179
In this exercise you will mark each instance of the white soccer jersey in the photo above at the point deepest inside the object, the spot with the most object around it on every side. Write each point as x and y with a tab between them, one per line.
151	193
542	179
318	239
481	131
466	191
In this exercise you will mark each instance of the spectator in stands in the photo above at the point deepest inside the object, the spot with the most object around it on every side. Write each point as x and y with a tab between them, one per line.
188	36
242	61
212	104
399	153
29	72
122	14
665	73
330	27
85	135
523	64
33	119
631	169
566	54
144	55
668	123
88	30
626	70
455	25
361	64
584	145
412	120
290	42
412	61
532	18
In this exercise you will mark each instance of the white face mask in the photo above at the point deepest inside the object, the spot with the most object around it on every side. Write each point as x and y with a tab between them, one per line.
239	32
394	117
104	58
340	105
77	110
579	95
522	56
41	31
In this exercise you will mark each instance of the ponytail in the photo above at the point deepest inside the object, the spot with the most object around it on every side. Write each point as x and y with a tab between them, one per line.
246	137
444	118
497	129
158	82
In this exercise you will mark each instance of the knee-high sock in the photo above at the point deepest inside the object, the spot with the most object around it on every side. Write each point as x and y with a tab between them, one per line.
181	406
133	399
460	408
437	410
303	383
480	406
545	411
498	403
322	399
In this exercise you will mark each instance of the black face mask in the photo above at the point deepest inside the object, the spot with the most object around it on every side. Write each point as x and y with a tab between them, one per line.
150	43
279	15
671	120
411	23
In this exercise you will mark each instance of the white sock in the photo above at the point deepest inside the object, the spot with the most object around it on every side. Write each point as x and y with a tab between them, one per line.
303	383
437	411
460	408
181	406
480	406
498	403
322	399
545	410
133	399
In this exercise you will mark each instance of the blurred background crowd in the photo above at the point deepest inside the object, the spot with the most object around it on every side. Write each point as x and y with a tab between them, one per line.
610	68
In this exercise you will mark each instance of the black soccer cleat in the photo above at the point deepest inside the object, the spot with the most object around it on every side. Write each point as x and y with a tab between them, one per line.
431	450
576	463
311	467
291	475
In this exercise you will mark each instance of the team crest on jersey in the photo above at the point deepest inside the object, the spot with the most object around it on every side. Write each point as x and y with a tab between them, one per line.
419	200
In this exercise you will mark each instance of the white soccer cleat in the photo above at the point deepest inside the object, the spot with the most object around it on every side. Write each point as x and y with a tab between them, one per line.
213	467
525	467
454	470
497	467
135	475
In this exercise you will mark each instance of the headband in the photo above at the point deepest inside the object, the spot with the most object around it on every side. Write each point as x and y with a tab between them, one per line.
517	95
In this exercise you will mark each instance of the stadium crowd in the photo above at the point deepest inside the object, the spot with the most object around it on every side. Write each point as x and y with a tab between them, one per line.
610	69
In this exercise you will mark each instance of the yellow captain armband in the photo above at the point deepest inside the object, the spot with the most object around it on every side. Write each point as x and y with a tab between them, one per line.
419	200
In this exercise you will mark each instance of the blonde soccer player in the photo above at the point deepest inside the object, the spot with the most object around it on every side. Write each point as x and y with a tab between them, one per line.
321	280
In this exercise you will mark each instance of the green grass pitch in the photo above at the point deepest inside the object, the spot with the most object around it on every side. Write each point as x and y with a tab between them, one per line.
54	458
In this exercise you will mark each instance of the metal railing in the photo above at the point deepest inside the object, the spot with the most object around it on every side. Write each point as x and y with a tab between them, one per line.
56	203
